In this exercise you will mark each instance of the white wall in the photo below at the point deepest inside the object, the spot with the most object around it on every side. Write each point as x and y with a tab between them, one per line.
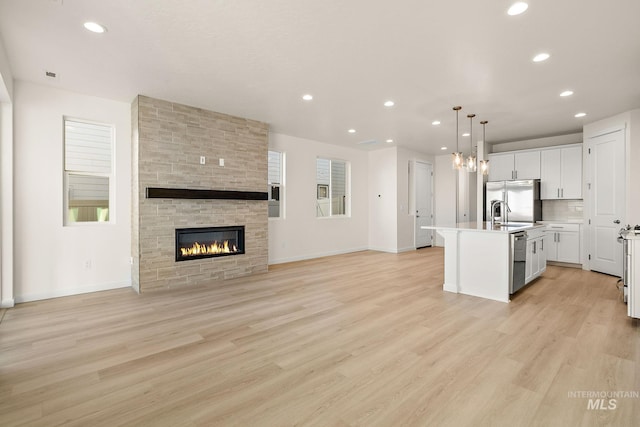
526	144
445	198
6	181
383	199
301	235
52	260
6	77
406	217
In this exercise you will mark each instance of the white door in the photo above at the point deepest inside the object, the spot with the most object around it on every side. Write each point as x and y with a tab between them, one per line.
423	174
606	201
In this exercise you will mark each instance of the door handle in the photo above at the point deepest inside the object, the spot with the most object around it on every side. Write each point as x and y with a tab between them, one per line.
617	221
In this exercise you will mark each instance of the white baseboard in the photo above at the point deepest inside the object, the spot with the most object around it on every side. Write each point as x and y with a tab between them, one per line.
316	255
71	291
7	303
341	252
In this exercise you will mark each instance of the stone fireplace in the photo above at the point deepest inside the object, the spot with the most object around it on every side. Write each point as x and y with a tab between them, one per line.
196	169
209	242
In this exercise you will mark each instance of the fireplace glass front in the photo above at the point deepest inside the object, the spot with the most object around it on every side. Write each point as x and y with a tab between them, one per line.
209	242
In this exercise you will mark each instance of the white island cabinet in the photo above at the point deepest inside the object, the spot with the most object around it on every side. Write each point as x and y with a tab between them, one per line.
479	260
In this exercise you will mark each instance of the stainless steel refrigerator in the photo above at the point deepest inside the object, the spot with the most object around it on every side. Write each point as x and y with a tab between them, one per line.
522	197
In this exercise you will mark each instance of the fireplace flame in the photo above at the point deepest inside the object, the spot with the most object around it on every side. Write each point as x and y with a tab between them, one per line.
212	249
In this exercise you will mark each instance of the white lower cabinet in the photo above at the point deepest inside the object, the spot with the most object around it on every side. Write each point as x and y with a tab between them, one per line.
563	242
536	261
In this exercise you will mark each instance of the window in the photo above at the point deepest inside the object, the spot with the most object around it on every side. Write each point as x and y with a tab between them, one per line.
332	187
276	184
88	153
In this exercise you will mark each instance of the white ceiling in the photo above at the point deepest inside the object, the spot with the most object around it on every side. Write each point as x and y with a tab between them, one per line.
256	58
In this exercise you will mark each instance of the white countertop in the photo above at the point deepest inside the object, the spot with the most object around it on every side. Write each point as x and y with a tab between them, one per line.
561	221
486	227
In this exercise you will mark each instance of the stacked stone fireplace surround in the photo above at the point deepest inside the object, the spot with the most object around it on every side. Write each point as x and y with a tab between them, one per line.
168	141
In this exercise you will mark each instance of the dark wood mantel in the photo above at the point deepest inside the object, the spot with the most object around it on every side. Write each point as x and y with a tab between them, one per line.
188	193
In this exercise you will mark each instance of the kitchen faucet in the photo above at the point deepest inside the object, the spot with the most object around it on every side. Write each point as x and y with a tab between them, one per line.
504	217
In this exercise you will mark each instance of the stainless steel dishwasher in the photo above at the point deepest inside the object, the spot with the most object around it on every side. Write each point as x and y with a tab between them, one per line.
518	260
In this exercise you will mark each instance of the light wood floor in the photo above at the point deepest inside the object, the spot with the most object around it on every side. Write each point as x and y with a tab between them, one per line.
363	339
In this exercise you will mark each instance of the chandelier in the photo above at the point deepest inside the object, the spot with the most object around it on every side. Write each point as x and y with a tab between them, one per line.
457	158
471	160
484	164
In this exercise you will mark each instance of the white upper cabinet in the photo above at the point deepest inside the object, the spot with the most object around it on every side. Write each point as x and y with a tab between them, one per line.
561	173
511	166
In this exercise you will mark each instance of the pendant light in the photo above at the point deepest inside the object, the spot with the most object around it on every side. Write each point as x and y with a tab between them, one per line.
457	158
484	164
471	160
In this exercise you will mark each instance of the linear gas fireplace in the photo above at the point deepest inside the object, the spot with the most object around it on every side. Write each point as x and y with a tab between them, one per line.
208	242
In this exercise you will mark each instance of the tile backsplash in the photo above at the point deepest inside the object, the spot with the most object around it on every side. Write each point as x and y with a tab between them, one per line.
562	210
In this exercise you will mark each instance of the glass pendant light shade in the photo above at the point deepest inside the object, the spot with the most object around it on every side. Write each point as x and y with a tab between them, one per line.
471	163
484	164
471	160
484	167
457	159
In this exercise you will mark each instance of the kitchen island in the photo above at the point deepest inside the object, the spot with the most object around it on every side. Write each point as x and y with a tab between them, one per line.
479	258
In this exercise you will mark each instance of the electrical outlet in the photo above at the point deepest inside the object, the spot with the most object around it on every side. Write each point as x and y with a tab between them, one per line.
203	160
221	162
87	264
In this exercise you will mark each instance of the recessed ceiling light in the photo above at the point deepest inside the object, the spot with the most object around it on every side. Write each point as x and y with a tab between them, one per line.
580	115
435	122
541	57
517	8
465	134
443	148
389	141
95	27
307	97
567	93
389	103
351	131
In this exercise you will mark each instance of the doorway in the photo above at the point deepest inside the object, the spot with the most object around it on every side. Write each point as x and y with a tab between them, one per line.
423	196
606	205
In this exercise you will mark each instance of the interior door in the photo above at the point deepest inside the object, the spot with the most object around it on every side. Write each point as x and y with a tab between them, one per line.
423	188
606	207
